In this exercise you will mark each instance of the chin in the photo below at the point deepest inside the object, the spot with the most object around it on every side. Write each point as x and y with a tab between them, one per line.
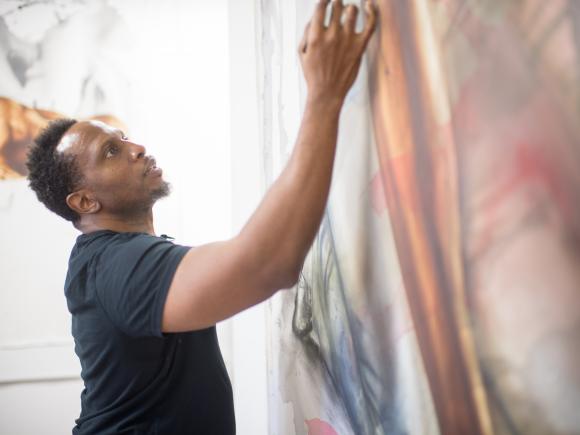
161	192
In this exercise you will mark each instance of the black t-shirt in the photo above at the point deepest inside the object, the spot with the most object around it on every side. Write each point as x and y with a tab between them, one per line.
137	379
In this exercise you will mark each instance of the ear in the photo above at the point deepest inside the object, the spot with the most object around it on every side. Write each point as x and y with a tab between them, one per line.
83	202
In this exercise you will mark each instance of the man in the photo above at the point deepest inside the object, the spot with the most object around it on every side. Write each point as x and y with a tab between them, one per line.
144	309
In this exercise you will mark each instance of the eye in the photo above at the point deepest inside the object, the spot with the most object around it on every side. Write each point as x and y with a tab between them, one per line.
124	138
111	151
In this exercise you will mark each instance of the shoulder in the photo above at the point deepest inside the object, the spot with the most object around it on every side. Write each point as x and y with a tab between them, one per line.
128	252
105	247
106	239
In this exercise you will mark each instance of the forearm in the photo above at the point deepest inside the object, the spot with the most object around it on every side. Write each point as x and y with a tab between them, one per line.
285	224
278	235
217	280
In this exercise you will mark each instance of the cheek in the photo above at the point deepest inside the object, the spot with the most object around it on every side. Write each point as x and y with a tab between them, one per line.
124	187
113	182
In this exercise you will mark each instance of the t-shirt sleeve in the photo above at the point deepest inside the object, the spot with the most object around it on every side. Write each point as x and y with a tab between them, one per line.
132	279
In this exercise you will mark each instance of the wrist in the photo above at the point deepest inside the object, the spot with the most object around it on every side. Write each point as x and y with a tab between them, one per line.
324	103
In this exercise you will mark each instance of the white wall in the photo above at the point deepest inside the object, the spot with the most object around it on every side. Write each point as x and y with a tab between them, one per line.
248	339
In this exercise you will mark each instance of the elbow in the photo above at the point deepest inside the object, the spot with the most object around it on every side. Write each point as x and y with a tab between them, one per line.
283	278
293	270
291	274
291	278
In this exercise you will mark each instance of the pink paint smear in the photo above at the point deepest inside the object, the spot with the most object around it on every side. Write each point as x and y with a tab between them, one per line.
319	427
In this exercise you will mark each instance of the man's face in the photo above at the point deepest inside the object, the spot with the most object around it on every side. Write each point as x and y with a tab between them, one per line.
119	174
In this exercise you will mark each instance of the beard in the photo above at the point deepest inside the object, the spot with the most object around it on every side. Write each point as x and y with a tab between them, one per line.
161	192
144	205
131	206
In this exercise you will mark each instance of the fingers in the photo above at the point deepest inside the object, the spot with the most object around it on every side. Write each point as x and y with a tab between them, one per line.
316	27
318	17
304	41
371	21
337	9
350	18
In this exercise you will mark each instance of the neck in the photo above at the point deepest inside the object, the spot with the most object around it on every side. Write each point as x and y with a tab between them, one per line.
121	224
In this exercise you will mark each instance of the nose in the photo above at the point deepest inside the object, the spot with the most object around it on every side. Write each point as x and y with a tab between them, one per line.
137	151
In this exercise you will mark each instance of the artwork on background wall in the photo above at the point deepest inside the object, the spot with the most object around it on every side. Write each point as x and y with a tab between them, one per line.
49	71
19	125
40	80
56	60
441	294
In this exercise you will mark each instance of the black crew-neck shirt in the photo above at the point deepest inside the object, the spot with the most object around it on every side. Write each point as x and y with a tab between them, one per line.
137	379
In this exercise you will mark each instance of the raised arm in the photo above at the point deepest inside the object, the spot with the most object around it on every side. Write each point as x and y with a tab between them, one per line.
218	280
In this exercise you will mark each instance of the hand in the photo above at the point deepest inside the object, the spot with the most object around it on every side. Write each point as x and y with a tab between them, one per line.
331	56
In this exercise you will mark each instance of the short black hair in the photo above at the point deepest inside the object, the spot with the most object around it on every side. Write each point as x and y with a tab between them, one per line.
53	174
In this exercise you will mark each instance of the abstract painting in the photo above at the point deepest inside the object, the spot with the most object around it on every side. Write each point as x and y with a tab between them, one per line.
50	70
56	60
19	125
442	293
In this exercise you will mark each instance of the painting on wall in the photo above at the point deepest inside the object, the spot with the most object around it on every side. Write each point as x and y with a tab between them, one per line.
133	64
19	125
50	70
441	294
56	60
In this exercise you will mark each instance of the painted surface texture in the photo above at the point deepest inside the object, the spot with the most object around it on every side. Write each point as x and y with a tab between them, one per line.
40	83
442	292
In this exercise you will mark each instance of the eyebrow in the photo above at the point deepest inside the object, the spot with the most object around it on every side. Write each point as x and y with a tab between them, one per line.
109	141
120	133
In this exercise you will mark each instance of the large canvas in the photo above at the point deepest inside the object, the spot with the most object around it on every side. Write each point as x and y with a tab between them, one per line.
342	343
441	295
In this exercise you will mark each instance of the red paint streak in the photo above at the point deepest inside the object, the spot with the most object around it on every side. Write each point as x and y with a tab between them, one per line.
319	427
531	135
529	167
